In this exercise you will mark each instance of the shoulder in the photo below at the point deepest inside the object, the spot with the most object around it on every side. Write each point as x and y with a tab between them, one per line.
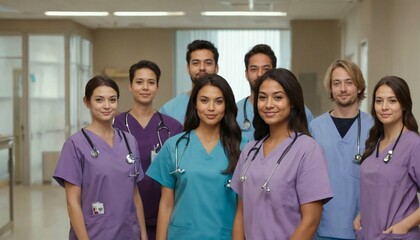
320	119
179	98
120	118
366	116
170	120
241	102
306	142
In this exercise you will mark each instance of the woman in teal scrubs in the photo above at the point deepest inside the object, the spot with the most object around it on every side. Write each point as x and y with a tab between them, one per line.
194	168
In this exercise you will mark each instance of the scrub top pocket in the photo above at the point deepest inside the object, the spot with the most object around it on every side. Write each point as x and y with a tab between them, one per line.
280	196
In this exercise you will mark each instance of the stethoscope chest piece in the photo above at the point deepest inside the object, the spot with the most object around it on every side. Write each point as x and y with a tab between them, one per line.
358	158
94	153
388	156
247	124
129	158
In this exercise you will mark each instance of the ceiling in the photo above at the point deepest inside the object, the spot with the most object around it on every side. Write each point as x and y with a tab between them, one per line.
296	9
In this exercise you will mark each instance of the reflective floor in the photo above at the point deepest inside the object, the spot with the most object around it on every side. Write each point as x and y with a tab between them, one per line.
39	213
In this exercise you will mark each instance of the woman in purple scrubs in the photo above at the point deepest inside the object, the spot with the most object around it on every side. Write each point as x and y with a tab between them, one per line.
151	129
390	171
99	169
281	177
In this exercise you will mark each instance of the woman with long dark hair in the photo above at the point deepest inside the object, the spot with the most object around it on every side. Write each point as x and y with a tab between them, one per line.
390	170
195	167
281	177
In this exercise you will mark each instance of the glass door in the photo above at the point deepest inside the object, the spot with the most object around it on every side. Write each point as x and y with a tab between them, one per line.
46	90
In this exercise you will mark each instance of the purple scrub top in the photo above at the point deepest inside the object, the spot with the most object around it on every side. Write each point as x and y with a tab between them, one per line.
388	191
300	178
147	139
105	179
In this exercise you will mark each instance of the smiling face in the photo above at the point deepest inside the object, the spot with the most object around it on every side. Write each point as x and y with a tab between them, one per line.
144	86
344	91
102	104
387	107
202	63
210	106
273	103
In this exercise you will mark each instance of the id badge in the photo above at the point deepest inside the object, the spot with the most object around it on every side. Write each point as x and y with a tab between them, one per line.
98	208
153	154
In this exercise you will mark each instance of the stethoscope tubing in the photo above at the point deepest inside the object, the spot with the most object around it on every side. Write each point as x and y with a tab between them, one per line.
161	126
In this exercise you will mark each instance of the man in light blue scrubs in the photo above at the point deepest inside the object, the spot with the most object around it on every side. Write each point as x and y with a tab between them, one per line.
202	58
258	60
342	133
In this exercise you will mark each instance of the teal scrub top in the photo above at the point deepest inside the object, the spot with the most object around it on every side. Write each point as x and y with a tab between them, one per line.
204	205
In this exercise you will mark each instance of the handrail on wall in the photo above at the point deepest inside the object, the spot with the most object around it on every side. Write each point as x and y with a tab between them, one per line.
6	142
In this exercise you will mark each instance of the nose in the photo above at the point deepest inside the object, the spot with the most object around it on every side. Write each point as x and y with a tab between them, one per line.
343	87
385	105
269	102
202	66
210	106
145	85
260	72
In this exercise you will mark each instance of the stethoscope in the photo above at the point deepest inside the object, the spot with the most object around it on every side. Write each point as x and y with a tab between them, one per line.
390	153
129	158
178	168
256	149
358	156
161	126
247	123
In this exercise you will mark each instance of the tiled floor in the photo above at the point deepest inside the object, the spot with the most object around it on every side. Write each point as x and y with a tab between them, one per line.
40	213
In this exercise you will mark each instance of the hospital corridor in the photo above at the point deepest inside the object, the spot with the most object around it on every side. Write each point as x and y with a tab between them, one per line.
39	213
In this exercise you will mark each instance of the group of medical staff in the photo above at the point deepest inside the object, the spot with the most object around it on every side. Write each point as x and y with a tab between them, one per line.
206	167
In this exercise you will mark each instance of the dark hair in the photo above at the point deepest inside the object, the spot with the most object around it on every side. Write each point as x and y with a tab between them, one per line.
230	133
297	119
144	64
263	49
98	81
355	73
402	93
199	45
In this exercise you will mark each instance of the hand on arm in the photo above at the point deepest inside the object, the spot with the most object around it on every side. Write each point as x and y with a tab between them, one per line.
166	206
311	216
140	213
238	224
74	210
406	224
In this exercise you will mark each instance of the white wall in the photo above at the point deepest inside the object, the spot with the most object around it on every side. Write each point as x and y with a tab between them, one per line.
391	28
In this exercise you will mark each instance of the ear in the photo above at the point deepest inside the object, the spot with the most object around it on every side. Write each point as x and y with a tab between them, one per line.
217	69
359	91
86	102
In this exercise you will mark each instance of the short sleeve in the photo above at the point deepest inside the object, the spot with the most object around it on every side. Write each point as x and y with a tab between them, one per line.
414	163
161	167
312	183
70	165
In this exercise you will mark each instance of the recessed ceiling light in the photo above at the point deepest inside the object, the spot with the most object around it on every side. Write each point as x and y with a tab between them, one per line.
76	13
244	13
147	14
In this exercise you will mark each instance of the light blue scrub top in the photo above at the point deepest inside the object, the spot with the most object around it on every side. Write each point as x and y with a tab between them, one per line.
240	118
344	174
204	206
176	107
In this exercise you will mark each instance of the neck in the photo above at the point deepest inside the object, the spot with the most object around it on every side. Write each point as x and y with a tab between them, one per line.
207	132
251	98
392	131
278	134
345	112
140	111
101	128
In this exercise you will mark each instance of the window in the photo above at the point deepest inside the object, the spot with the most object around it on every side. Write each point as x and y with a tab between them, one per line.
232	46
